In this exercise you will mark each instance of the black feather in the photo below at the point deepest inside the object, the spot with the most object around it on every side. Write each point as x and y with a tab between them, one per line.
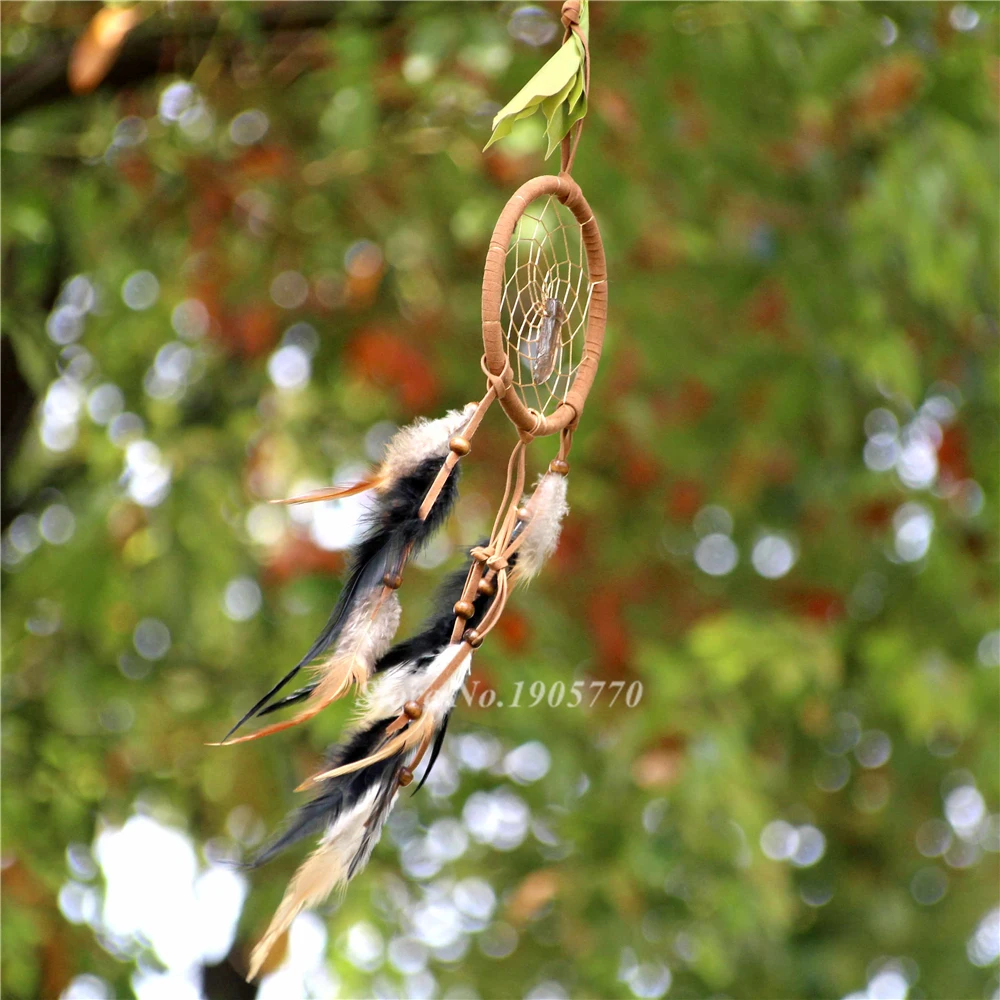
394	525
436	749
435	634
291	699
338	793
437	629
380	809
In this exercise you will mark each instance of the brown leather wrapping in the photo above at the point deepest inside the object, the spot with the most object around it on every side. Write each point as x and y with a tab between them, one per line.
568	412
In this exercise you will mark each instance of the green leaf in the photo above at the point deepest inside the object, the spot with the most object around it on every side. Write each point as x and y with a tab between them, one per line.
554	110
576	91
557	88
557	75
504	128
574	116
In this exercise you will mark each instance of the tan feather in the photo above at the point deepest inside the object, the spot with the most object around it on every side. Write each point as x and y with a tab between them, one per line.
417	732
336	492
323	871
315	879
339	674
364	639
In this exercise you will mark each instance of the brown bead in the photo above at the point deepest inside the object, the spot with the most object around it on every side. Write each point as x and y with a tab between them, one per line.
523	513
559	465
405	776
392	580
465	609
459	445
413	710
487	588
472	637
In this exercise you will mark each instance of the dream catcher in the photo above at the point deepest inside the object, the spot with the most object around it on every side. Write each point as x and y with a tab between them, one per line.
544	306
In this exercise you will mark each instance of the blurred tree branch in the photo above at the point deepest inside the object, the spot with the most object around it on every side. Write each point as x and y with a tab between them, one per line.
156	47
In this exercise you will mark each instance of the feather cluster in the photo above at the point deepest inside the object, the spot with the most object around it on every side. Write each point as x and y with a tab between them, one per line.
361	777
408	689
365	618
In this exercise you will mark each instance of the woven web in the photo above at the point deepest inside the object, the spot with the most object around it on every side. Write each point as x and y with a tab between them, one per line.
546	261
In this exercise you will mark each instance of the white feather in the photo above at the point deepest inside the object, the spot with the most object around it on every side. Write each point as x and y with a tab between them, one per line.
368	633
405	683
323	871
421	440
348	829
541	534
440	703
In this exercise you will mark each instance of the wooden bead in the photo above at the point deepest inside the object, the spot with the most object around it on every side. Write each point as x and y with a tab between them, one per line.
413	710
523	513
472	637
559	465
405	776
459	446
392	580
485	587
465	609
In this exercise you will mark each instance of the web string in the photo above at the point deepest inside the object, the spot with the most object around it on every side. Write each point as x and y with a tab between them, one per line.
546	260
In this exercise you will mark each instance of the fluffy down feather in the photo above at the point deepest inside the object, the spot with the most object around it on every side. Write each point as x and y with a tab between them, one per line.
548	507
421	440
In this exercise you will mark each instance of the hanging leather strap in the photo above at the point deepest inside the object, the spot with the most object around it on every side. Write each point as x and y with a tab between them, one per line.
497	386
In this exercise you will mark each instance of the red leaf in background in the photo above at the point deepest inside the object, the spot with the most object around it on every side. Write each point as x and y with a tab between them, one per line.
211	203
640	470
685	498
876	514
136	170
480	682
250	331
262	162
360	292
694	400
624	375
297	556
389	360
768	308
657	248
887	90
691	126
953	455
607	623
508	171
686	404
574	544
820	604
616	109
660	767
514	630
992	71
635	466
780	466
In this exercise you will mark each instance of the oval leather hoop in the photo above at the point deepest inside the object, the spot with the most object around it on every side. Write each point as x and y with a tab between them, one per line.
567	191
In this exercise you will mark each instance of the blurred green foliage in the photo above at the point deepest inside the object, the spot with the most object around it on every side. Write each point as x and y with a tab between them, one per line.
799	204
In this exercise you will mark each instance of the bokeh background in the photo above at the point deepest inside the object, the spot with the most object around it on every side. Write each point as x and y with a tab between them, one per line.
243	242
